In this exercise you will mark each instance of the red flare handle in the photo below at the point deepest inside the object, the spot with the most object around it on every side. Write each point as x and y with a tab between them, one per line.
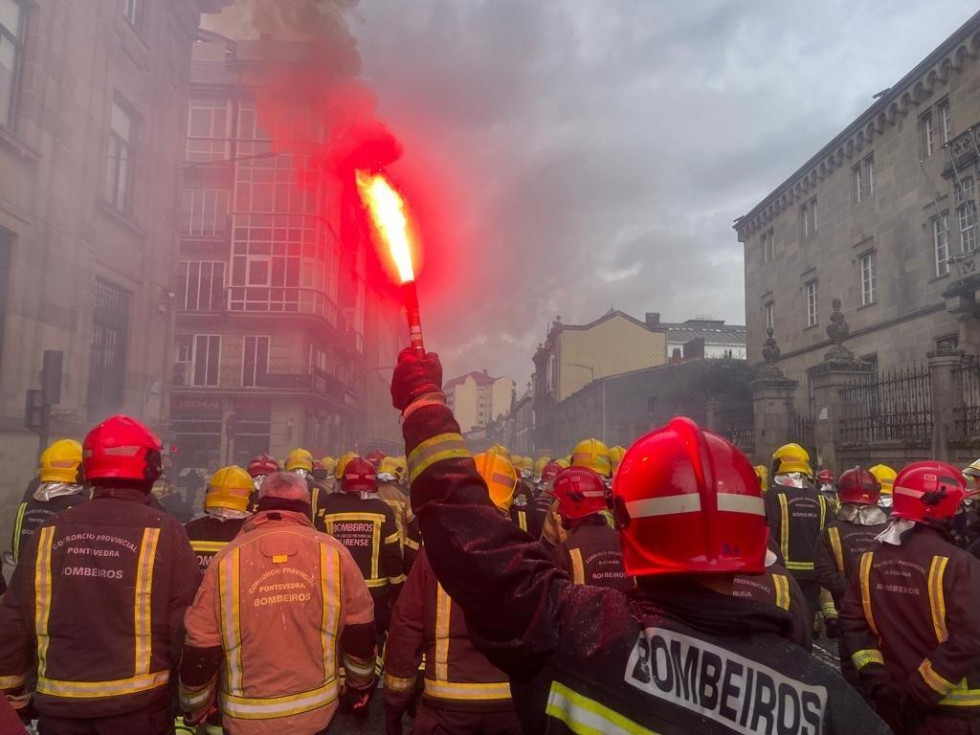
410	299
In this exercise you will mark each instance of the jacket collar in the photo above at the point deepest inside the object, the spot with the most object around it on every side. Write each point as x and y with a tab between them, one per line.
265	517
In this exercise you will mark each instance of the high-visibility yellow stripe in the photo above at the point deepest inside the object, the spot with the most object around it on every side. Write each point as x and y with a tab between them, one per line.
375	519
800	565
396	580
937	597
467	691
962	696
935	682
443	609
376	583
822	502
411	543
393	538
399	683
585	716
18	526
866	559
522	520
781	587
231	633
42	597
192	698
11	682
362	668
142	608
437	449
246	708
94	689
833	533
331	593
208	547
578	566
784	528
867	656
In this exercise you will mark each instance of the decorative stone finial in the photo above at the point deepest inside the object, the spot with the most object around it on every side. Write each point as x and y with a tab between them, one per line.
837	330
770	350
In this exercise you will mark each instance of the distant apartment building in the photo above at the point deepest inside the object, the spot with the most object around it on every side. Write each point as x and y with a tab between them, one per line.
93	101
279	340
720	341
476	398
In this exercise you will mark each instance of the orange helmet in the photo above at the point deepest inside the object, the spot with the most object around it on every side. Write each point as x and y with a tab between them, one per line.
122	448
928	491
499	475
360	476
858	486
688	502
580	492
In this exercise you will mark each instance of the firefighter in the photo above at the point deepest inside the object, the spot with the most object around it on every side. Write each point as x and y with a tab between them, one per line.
616	455
390	491
591	553
797	514
522	507
225	510
374	457
776	586
592	659
61	487
545	496
463	692
885	476
910	612
99	596
589	453
258	469
365	524
539	466
329	465
762	475
299	606
825	486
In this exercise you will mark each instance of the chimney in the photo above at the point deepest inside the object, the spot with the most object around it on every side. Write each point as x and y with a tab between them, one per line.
653	319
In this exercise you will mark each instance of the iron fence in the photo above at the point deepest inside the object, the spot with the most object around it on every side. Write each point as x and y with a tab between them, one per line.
892	406
803	433
966	416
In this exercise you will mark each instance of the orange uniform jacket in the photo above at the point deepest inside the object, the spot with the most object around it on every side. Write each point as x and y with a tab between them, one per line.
457	676
278	603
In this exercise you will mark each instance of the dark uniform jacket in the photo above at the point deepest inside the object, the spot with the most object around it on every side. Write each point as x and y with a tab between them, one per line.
592	554
522	511
319	492
672	658
910	618
33	513
457	676
99	596
776	586
540	507
796	516
839	550
209	535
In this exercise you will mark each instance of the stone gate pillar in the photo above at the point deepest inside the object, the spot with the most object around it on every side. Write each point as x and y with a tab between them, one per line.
772	403
947	397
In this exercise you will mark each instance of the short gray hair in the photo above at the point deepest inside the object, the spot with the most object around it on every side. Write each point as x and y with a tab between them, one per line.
285	485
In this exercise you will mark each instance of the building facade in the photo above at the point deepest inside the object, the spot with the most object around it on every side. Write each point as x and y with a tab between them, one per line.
93	98
883	218
280	341
721	341
477	398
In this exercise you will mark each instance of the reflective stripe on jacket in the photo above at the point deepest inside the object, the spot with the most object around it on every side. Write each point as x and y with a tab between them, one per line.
593	555
366	526
210	535
796	516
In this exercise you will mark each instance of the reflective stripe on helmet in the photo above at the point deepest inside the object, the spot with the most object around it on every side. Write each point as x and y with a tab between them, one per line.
937	598
436	449
583	715
668	506
734	503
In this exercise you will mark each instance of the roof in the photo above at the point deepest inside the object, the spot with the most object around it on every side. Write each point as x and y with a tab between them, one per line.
710	330
478	378
604	318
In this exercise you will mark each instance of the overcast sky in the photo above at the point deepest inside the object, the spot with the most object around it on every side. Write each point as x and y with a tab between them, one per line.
605	146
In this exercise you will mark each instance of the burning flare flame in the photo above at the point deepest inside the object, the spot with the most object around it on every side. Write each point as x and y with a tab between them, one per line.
387	210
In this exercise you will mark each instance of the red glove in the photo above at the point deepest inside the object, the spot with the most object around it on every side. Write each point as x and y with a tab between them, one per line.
415	377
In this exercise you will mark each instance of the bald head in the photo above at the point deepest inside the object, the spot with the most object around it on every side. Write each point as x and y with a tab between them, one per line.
285	485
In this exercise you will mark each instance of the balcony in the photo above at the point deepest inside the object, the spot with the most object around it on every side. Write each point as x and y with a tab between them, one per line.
316	381
282	300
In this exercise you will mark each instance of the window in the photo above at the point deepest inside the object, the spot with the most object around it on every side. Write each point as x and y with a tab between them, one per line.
864	179
122	135
808	218
208	129
768	244
255	362
966	214
201	286
133	12
927	126
770	315
940	243
198	357
107	358
12	17
205	212
945	121
868	279
811	304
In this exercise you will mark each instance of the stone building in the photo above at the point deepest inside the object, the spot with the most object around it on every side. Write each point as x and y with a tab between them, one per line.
93	99
280	341
884	218
477	398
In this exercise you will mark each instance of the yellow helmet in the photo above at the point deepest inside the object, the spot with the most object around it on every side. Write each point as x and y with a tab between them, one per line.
500	476
563	462
885	476
502	451
616	455
299	459
60	461
328	463
390	466
791	458
593	454
338	470
762	474
230	487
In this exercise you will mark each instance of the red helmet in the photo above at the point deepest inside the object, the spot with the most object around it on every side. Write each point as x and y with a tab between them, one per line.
928	491
375	456
688	502
360	476
858	486
262	465
580	492
826	477
551	470
122	448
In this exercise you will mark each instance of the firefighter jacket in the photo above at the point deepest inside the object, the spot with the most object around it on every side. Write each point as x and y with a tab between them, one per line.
796	516
841	544
210	535
413	540
776	586
279	606
522	510
552	532
540	507
99	596
33	513
674	657
592	555
319	492
397	500
366	526
910	617
457	676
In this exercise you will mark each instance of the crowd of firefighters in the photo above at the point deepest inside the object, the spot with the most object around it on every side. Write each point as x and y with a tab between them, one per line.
671	587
